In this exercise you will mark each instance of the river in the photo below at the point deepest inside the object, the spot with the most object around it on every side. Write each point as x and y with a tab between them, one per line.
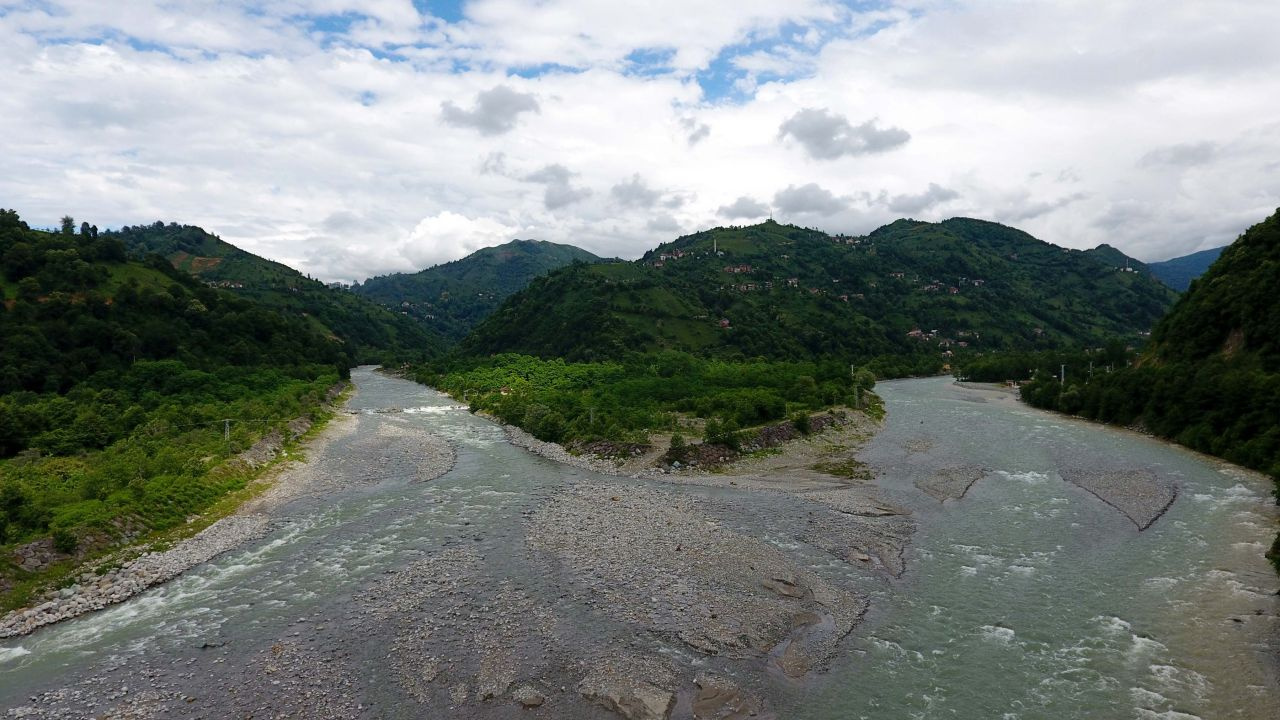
1026	598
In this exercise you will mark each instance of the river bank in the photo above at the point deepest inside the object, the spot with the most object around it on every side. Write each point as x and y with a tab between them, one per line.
132	570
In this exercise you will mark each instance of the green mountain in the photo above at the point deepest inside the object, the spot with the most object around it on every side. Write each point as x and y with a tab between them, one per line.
369	332
781	291
124	384
1113	257
1178	272
453	297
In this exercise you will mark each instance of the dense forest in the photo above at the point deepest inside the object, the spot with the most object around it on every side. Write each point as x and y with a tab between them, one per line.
453	297
1210	378
627	400
910	289
117	377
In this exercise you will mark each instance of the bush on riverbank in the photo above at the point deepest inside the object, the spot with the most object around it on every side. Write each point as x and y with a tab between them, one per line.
626	400
158	438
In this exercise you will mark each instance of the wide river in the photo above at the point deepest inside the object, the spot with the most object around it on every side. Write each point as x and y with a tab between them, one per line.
1026	598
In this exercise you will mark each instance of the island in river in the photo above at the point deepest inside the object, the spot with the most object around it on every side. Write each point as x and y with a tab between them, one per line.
992	562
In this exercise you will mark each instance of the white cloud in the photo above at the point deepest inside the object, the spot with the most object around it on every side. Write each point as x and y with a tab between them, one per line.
744	208
448	235
326	144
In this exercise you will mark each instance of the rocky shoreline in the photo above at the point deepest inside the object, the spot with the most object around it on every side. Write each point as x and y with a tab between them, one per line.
93	591
120	580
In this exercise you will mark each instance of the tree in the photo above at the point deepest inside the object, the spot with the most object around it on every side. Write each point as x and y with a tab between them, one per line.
68	225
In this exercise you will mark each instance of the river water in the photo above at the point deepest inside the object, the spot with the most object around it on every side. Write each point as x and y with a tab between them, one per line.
1026	598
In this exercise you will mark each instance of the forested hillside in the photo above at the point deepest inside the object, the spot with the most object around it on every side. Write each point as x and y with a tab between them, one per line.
117	379
453	297
910	290
1210	378
370	333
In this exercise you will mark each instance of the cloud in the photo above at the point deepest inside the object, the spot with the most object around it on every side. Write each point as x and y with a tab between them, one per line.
934	195
828	136
495	163
247	118
1180	155
494	112
809	199
559	191
634	193
663	224
744	208
697	131
1025	208
448	235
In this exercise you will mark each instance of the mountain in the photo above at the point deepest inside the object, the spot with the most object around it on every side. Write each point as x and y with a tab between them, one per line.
1178	272
453	297
1113	257
369	332
78	311
781	291
125	384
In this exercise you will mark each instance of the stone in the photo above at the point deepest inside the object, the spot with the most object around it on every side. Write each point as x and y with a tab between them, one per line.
638	701
719	699
528	696
786	587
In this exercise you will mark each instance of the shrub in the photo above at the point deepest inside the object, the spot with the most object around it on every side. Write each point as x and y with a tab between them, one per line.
65	541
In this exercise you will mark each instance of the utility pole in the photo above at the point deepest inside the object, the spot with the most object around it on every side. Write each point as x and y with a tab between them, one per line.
1062	378
226	430
857	391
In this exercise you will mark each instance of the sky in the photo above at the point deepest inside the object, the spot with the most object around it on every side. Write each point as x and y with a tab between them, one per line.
355	138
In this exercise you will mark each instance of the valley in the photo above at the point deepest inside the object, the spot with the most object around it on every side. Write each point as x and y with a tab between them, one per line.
514	584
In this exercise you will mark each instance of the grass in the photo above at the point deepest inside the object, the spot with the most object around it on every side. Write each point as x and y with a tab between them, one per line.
850	468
